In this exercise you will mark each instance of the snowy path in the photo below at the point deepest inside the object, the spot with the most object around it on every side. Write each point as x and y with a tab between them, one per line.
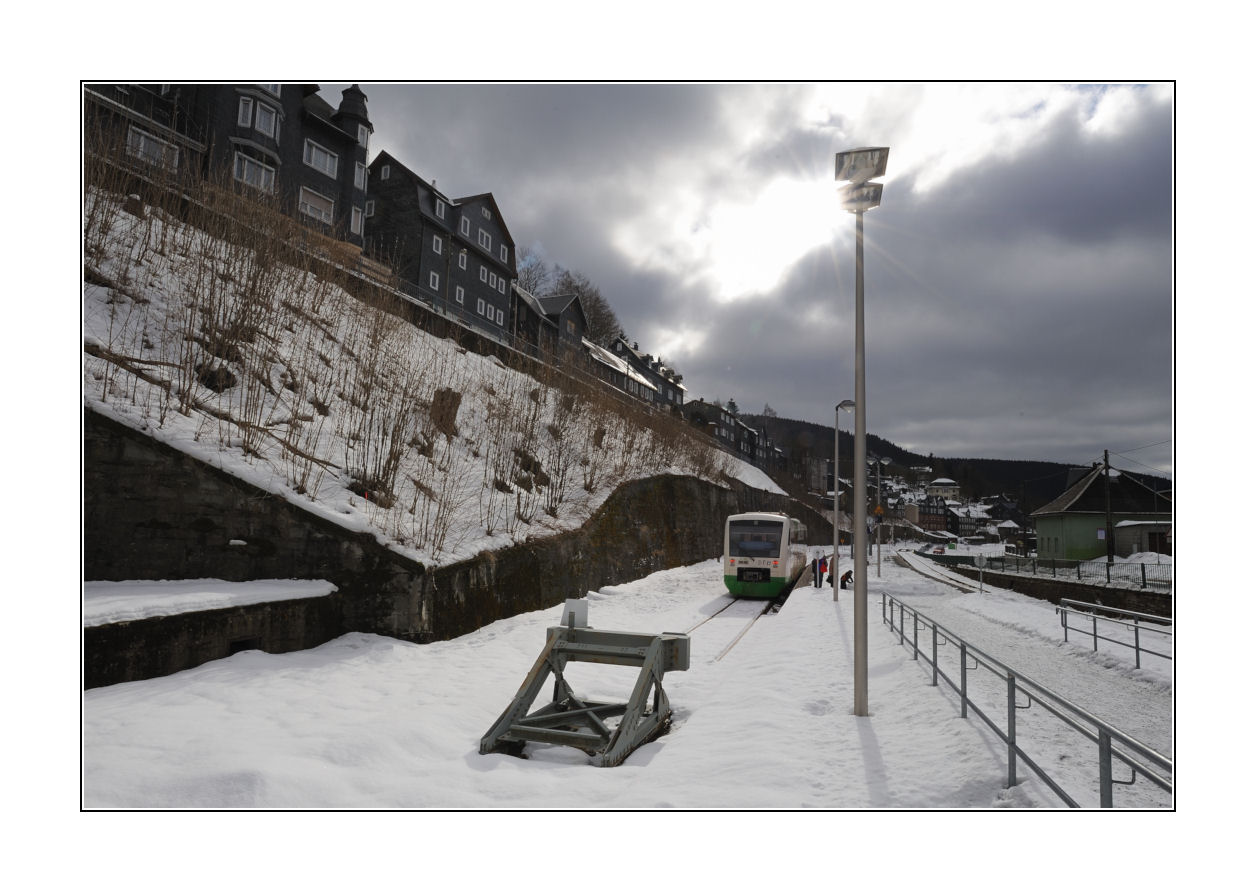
1026	636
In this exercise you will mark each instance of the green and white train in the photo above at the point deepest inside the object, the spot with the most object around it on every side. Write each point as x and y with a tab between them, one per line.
764	553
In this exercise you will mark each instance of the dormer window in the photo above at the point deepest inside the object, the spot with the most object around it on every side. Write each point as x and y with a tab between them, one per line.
440	209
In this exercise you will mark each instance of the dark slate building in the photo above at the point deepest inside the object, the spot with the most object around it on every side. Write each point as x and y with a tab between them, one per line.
666	388
455	254
282	140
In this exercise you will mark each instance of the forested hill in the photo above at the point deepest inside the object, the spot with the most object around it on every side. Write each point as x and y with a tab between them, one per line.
1031	483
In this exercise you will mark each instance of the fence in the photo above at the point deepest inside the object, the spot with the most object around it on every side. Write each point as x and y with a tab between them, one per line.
1127	575
1066	609
1098	732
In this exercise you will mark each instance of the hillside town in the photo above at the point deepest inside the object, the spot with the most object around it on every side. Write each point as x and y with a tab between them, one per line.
455	258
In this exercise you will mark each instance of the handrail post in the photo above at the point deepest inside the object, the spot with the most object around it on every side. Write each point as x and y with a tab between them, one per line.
1011	730
935	655
1138	664
1105	769
1094	632
963	679
915	635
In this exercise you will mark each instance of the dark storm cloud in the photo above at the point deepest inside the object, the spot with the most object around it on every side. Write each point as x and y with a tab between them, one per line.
1021	307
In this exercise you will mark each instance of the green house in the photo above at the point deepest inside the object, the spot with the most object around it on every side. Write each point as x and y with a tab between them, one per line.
1074	526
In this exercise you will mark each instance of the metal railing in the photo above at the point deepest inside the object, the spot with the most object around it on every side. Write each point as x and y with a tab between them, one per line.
1127	575
1097	731
1138	626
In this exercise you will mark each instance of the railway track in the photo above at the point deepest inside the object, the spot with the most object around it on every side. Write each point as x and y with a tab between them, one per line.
734	620
905	560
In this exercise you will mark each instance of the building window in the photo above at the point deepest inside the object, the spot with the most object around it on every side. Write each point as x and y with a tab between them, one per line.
271	88
483	273
355	221
370	208
504	254
465	227
320	207
364	135
486	214
486	241
383	174
436	243
459	293
267	120
479	305
245	115
433	281
152	150
320	159
440	209
501	285
359	175
462	259
501	318
492	280
254	173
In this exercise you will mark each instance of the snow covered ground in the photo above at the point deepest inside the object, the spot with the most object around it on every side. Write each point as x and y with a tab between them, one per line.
370	722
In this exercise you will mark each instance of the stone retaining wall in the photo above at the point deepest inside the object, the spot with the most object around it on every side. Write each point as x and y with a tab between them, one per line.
152	512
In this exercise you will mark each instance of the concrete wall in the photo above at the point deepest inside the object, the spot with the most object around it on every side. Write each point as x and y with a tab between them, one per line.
152	512
1048	589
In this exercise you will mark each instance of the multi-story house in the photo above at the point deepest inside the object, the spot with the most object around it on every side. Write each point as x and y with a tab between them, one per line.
668	391
283	141
455	254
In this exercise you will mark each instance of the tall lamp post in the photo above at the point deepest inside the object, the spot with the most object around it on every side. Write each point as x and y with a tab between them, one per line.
856	168
837	489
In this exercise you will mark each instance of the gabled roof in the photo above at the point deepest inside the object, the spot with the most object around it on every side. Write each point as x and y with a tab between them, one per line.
554	305
1126	495
497	213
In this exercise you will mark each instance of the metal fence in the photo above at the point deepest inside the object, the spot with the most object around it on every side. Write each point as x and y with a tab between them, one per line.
1147	576
1135	625
1142	760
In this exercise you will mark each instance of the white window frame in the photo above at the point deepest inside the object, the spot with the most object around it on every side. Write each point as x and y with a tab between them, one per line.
465	227
483	273
501	284
479	305
370	208
384	171
355	221
437	243
360	173
460	294
462	259
312	157
492	279
433	280
364	136
273	132
327	216
504	254
486	241
140	144
272	89
440	208
501	318
267	177
244	115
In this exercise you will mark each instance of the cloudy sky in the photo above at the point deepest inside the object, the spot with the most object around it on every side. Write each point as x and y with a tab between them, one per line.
1019	273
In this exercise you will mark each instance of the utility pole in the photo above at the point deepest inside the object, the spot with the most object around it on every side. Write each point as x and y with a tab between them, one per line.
1107	508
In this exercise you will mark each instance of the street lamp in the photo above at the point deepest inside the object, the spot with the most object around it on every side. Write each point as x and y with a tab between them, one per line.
856	168
837	488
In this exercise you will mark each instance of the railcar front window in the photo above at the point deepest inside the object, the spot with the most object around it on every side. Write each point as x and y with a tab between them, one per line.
754	538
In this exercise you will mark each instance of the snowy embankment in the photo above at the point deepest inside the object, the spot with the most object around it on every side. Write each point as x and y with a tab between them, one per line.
370	722
282	378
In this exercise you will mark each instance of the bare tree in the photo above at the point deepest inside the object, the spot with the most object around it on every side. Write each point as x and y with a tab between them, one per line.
604	325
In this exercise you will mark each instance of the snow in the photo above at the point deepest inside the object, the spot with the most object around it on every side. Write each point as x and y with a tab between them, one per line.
113	602
370	722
